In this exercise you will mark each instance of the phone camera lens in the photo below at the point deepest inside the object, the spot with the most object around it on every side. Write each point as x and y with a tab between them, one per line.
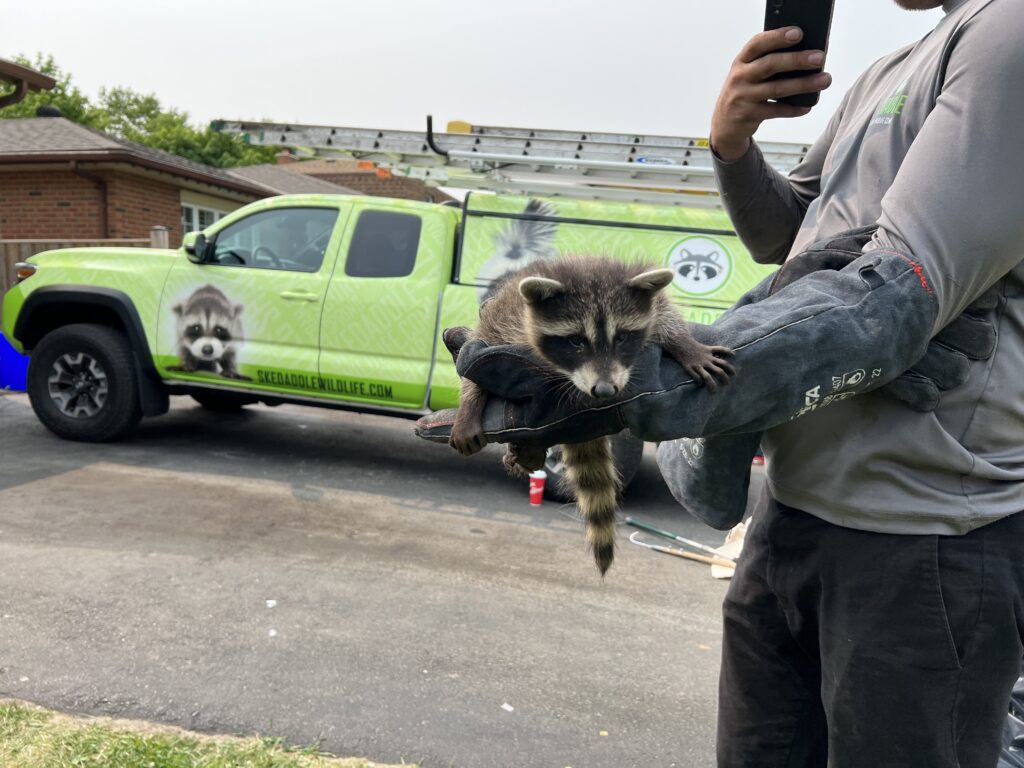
778	3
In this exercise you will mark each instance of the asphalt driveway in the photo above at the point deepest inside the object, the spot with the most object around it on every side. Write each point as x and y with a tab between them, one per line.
327	578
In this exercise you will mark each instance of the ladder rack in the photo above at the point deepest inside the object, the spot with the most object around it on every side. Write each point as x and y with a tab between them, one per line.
601	166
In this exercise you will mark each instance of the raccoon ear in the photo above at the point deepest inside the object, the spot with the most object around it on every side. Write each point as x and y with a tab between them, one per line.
238	311
652	280
178	309
538	289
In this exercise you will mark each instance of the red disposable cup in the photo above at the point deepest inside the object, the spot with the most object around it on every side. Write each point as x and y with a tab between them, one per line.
537	487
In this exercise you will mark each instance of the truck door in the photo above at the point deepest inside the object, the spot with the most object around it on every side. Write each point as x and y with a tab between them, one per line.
250	315
380	318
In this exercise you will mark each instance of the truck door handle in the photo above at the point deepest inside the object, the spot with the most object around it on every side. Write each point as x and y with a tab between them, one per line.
299	296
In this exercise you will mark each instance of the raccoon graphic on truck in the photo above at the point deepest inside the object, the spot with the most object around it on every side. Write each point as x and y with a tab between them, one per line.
523	242
701	265
209	329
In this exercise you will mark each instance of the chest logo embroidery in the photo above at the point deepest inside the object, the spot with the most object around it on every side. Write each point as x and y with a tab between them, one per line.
892	107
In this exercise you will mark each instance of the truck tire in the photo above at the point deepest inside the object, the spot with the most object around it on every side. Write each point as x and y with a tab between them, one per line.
222	402
82	383
628	452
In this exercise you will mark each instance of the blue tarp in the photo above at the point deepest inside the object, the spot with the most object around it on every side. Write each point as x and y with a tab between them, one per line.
13	367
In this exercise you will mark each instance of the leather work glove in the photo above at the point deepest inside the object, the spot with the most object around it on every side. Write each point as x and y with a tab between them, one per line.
846	314
710	477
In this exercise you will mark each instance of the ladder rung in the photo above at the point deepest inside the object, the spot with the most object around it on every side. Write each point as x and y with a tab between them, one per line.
573	163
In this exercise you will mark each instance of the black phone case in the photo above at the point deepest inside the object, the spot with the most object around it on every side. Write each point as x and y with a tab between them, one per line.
814	17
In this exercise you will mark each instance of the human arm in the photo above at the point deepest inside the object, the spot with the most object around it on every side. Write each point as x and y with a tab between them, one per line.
955	206
966	240
766	207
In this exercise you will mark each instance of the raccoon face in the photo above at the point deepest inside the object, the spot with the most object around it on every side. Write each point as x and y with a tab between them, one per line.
208	324
206	342
592	333
699	267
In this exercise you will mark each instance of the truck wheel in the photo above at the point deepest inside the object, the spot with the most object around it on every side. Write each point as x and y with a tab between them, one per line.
628	452
82	383
222	402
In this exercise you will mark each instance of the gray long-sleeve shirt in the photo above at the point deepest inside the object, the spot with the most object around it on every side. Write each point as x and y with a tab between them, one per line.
927	145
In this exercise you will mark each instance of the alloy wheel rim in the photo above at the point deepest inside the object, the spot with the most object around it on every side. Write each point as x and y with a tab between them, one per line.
78	385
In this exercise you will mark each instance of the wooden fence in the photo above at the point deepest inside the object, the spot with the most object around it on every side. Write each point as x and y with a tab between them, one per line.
13	251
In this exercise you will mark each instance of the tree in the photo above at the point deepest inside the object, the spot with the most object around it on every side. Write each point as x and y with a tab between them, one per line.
138	117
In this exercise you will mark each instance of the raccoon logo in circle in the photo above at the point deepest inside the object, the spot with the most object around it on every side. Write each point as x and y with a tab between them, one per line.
701	265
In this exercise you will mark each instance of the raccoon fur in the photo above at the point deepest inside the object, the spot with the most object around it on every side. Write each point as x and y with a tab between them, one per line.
209	329
588	318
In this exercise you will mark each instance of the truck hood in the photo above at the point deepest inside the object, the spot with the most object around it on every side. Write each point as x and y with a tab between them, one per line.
103	257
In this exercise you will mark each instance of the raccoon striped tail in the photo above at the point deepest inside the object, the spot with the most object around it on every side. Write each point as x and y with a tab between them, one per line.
592	475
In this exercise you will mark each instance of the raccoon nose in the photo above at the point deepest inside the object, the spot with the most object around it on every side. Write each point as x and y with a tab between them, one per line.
604	389
208	349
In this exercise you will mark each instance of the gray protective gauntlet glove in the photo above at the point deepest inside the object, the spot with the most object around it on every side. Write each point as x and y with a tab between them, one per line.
849	318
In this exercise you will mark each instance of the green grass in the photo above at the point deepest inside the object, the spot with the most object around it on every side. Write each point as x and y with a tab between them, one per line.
31	737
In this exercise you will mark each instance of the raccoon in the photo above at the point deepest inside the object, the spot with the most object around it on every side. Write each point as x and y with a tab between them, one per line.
588	318
209	329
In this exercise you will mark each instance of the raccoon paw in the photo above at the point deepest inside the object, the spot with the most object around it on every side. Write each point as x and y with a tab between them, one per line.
710	366
521	460
514	468
467	441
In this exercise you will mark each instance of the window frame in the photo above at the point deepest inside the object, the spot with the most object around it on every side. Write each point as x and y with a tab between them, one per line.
386	212
194	209
277	210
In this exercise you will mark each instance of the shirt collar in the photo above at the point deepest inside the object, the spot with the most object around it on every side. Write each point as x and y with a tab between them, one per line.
951	5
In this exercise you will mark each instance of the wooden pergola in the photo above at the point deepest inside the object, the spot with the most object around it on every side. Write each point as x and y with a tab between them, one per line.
23	79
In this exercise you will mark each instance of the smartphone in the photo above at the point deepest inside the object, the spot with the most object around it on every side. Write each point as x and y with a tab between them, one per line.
814	17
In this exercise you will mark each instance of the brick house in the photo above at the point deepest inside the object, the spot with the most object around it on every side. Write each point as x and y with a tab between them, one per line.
63	181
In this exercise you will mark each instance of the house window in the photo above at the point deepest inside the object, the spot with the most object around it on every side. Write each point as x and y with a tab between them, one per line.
195	217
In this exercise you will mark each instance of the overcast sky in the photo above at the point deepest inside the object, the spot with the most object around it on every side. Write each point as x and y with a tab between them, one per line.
645	66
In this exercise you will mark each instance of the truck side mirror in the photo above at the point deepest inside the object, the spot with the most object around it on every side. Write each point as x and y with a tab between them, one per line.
196	247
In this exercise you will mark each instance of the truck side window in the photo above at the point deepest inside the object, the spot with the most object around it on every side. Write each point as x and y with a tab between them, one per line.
292	239
384	244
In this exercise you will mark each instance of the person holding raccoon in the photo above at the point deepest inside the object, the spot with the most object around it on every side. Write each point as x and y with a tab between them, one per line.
877	613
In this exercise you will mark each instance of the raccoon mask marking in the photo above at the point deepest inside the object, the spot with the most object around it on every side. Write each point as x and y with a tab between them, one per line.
698	268
589	319
209	330
592	333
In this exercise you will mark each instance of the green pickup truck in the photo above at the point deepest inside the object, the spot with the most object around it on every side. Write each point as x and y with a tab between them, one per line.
332	301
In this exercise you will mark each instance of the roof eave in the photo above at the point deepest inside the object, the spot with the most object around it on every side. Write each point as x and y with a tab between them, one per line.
15	73
128	157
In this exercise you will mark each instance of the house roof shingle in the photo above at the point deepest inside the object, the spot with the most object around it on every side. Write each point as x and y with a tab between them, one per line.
41	139
283	182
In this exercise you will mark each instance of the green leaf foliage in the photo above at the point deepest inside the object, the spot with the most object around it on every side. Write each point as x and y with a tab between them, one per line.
139	117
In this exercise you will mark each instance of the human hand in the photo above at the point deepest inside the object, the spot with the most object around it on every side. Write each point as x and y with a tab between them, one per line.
747	97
